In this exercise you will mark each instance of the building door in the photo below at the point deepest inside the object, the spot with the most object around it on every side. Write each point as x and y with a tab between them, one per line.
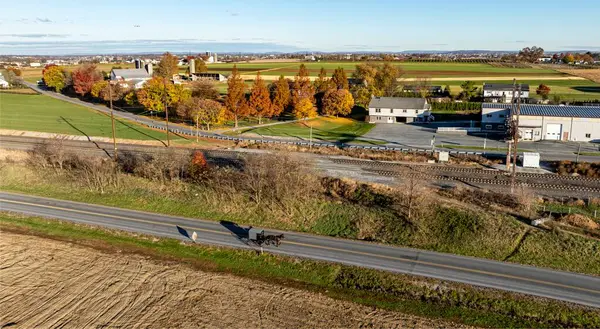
553	131
528	135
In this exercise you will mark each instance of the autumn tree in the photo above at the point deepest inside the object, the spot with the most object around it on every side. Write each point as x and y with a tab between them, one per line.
363	94
568	58
236	95
337	102
304	109
14	70
84	78
260	101
469	90
531	55
386	79
302	86
365	73
202	111
157	92
280	96
101	90
54	77
322	84
167	67
339	79
543	91
200	66
204	89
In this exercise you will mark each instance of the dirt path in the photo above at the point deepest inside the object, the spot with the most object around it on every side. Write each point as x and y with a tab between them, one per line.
49	284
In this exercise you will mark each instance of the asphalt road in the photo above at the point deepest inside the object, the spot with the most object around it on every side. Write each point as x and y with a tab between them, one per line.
396	135
570	287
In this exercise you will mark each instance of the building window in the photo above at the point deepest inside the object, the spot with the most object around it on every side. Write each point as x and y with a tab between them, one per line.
417	111
537	132
377	110
378	118
501	115
488	126
391	110
500	127
488	115
588	135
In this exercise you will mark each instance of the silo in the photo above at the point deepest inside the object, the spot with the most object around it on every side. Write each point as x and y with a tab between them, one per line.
149	68
215	57
192	66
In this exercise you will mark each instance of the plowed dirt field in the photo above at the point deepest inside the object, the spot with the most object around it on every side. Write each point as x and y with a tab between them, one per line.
53	284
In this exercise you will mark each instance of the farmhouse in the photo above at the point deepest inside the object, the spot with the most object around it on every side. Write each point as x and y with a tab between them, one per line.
545	122
132	77
398	109
503	93
3	83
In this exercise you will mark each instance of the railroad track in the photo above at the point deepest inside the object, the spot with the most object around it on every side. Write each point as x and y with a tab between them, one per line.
495	172
487	181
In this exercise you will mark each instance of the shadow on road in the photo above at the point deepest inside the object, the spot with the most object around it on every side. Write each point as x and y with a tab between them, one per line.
240	232
183	231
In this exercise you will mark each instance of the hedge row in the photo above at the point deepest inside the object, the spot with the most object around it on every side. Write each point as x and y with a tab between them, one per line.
456	107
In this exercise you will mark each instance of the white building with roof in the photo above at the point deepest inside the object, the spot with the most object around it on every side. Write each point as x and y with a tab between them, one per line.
545	122
398	109
503	93
135	78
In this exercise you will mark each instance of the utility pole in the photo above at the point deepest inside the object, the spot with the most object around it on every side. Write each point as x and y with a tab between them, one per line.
166	110
310	137
516	139
578	151
112	119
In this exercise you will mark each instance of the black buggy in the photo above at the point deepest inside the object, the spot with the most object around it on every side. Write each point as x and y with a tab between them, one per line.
259	237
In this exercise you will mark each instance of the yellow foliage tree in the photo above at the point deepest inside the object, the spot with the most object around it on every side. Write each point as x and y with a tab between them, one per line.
304	109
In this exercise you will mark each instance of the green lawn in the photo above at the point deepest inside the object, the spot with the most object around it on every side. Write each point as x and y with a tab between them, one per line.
323	128
46	114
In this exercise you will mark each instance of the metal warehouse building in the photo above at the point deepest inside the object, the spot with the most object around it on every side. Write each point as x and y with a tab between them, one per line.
546	122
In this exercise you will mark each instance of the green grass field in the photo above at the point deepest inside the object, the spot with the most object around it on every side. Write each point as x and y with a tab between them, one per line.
46	114
324	128
411	69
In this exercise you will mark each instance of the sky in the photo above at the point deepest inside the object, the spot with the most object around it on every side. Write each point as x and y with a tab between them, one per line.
47	27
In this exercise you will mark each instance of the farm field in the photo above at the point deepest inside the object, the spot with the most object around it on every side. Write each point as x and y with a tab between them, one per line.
412	70
46	114
578	90
49	283
329	129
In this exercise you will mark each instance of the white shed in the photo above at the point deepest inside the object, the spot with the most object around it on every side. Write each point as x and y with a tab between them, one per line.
531	160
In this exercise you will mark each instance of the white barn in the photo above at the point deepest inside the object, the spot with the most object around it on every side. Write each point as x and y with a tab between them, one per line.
546	122
503	93
398	109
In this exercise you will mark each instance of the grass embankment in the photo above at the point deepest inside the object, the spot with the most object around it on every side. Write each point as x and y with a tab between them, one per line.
413	295
46	114
335	209
328	129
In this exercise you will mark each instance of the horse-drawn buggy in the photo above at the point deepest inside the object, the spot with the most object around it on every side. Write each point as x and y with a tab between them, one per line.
259	237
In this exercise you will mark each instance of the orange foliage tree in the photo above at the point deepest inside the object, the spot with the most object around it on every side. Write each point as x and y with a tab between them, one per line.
236	96
260	102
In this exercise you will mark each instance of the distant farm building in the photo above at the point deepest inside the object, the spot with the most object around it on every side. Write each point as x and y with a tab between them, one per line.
135	78
545	122
431	90
208	76
398	109
503	93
